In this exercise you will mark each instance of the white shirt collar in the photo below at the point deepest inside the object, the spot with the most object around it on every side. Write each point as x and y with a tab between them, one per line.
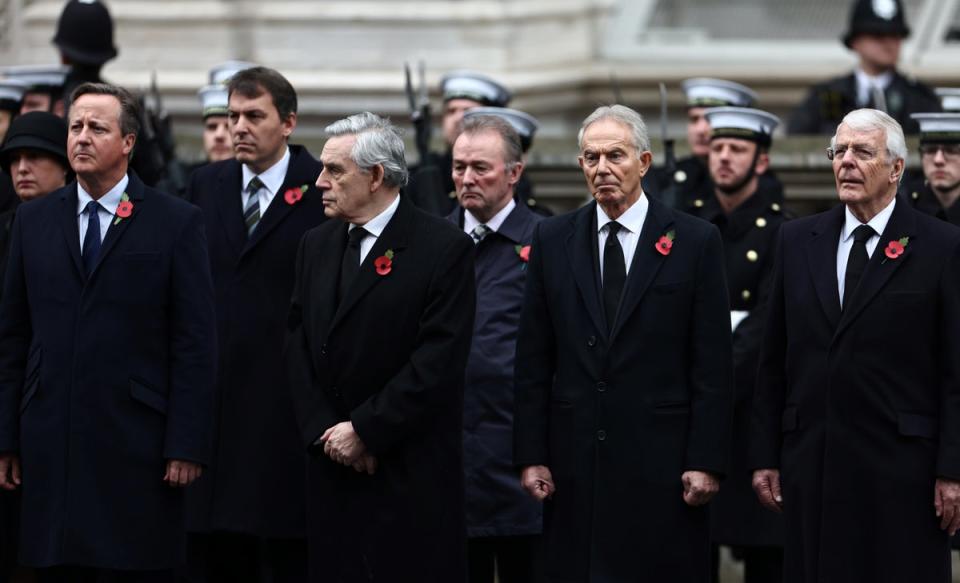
878	222
109	201
631	220
377	224
470	222
866	83
272	177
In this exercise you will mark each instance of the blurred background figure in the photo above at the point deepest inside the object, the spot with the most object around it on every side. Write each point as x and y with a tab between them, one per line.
44	86
939	190
217	144
876	32
84	39
11	95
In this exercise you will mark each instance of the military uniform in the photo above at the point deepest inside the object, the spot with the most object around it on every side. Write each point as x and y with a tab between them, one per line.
692	185
826	104
922	198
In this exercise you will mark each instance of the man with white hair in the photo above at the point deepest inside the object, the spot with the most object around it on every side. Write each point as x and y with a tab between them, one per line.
379	331
623	373
856	435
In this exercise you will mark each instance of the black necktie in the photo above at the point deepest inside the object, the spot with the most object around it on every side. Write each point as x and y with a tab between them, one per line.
614	272
91	241
857	260
350	265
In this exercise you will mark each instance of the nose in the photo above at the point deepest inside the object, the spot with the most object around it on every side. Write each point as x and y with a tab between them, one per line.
939	157
602	165
322	183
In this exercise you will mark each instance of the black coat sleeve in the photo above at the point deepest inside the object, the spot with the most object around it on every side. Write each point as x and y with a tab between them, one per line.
15	336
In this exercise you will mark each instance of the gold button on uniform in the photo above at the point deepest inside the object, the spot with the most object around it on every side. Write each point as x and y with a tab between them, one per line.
453	194
531	202
775	207
915	195
761	222
680	176
698	203
745	294
752	256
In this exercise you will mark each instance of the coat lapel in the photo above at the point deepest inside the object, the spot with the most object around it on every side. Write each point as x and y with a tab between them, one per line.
298	174
326	278
582	253
71	229
880	269
646	261
135	189
393	237
229	204
822	262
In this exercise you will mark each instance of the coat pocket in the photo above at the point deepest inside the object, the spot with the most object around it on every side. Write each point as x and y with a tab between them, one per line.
143	394
671	408
789	420
917	425
31	380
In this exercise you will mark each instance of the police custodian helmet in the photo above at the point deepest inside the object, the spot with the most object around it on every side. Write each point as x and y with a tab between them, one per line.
85	33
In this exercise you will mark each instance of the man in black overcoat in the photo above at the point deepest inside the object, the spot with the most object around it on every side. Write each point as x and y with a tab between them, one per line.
856	430
623	372
503	522
107	359
380	326
257	207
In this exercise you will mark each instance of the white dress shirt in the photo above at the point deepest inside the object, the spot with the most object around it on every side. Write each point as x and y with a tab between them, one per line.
272	179
866	83
470	222
110	201
631	221
375	227
878	222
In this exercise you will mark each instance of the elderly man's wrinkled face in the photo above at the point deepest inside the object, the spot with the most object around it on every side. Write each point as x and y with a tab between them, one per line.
612	164
941	166
862	166
35	173
483	179
453	111
95	144
216	138
698	132
348	192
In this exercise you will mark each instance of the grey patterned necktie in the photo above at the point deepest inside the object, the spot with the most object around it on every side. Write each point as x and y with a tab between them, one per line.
479	232
251	214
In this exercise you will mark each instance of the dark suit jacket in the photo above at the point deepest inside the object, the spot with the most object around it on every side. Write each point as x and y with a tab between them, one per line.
860	408
390	358
255	425
103	379
826	103
619	415
496	503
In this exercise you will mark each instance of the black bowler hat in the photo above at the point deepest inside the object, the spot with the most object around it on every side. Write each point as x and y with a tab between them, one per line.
876	17
85	33
36	130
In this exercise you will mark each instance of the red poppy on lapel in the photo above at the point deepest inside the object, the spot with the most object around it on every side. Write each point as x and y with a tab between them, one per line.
293	195
124	209
524	252
384	263
895	248
665	243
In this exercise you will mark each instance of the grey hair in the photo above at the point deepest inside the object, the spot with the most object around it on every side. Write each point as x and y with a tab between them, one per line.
621	114
512	150
869	120
378	143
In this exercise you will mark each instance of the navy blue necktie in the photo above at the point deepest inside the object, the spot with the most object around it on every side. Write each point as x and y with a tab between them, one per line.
91	241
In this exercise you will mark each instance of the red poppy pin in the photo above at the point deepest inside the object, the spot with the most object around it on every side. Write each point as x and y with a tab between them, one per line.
665	243
293	195
384	263
895	248
523	252
124	209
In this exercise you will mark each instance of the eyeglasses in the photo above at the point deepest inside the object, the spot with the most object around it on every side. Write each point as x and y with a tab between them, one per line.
949	151
859	152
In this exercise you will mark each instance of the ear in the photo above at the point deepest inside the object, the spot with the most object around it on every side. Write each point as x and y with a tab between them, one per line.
763	164
289	125
897	171
514	175
376	177
128	142
646	159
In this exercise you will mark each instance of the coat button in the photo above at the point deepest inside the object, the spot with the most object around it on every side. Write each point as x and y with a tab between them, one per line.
323	349
335	391
601	386
745	294
601	435
915	195
698	203
761	222
752	256
592	341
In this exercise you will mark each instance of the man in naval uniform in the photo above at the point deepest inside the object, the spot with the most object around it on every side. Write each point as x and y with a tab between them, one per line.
940	155
876	32
748	219
214	98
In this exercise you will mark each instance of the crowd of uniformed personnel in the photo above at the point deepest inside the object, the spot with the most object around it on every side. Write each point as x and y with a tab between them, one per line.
727	180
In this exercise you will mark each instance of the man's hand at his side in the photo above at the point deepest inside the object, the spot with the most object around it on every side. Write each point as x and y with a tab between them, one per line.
538	482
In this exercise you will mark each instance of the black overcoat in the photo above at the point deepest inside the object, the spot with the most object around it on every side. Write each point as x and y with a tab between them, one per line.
859	408
619	416
496	504
390	358
103	379
256	479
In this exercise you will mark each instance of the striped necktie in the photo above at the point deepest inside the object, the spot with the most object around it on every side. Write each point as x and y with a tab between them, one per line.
251	214
479	232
